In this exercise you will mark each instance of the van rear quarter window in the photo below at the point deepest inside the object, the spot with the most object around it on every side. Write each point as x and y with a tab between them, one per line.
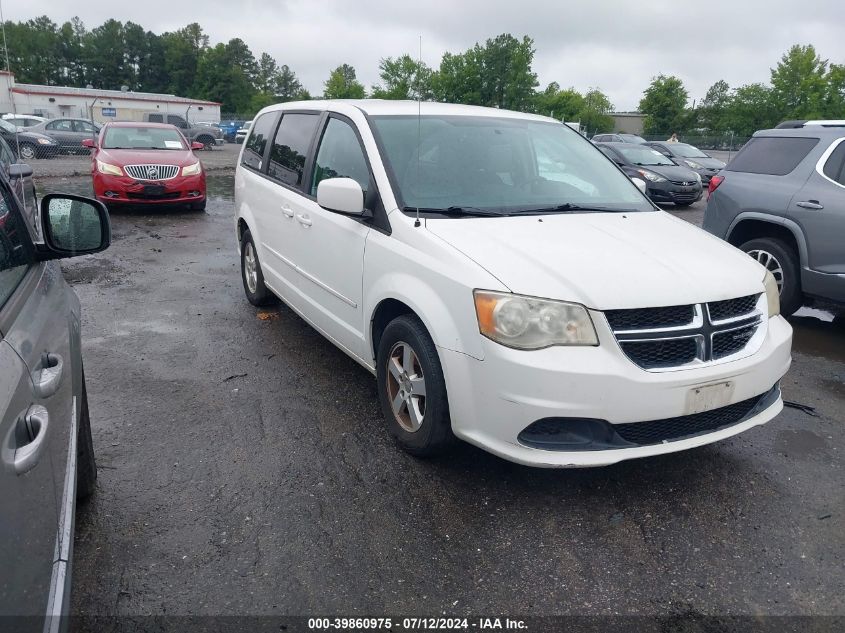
772	155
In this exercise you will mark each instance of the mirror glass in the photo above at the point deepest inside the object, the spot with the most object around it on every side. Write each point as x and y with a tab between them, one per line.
75	225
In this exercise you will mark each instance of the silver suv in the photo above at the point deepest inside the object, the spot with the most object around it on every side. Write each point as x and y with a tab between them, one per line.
782	201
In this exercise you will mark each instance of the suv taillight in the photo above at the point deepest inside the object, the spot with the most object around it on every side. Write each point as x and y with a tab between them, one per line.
715	181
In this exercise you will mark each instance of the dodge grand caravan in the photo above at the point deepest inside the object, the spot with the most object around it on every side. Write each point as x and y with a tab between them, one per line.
505	282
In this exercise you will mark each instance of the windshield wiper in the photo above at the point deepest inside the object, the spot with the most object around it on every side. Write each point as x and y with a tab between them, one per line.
569	206
457	211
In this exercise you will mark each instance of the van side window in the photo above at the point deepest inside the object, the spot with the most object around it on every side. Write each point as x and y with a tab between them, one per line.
290	147
259	133
340	156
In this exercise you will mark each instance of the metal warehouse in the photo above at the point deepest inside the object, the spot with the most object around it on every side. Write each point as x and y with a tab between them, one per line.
100	105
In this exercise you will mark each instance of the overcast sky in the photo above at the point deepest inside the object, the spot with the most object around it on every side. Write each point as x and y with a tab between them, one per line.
617	46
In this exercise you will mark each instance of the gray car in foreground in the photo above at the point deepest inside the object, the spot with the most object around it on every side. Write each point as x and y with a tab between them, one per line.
46	449
782	201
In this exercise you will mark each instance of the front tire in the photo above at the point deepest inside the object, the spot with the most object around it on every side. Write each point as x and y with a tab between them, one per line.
253	279
412	389
86	465
782	261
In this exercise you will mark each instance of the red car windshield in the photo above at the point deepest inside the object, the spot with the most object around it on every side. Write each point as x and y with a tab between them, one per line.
142	138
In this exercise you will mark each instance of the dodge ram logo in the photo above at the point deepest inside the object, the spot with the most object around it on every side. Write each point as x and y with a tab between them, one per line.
152	173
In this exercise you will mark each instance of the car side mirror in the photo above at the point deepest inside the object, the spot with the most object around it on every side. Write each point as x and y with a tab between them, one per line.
19	170
197	145
343	195
640	184
89	143
73	225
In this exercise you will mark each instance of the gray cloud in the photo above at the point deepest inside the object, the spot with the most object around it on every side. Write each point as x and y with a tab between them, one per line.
613	45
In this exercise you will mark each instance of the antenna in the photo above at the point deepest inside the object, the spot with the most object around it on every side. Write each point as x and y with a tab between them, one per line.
419	128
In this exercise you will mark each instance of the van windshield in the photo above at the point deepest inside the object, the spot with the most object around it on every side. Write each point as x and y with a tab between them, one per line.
503	165
140	137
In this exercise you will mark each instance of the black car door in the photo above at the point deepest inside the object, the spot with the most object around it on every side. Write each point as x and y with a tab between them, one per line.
28	486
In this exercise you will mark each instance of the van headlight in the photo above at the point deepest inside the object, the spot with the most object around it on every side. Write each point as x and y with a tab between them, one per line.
191	170
531	323
772	293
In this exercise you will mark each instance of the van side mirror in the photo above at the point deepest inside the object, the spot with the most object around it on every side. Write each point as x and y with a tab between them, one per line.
73	225
19	170
343	195
89	143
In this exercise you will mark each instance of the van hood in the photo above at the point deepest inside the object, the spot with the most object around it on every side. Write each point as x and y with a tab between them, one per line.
605	260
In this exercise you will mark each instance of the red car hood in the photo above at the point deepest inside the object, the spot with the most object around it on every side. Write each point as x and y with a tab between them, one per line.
122	157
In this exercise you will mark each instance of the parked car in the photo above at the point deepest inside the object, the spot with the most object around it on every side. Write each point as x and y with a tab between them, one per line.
498	301
782	201
230	129
665	181
47	450
68	133
618	138
22	121
146	163
691	157
26	144
240	135
208	135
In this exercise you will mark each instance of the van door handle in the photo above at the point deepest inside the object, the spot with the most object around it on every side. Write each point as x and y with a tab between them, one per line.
303	219
48	378
287	211
810	204
37	423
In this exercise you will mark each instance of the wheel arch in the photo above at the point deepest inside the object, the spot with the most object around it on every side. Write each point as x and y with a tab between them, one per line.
750	226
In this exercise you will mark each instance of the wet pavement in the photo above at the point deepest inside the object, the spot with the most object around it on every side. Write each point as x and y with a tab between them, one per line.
244	468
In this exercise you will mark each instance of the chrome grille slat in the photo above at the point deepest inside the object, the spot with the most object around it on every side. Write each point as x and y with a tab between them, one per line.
152	172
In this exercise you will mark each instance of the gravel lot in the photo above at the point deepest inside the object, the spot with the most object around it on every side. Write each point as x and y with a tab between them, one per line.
243	469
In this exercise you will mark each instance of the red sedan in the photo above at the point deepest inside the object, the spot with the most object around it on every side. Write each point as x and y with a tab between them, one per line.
146	163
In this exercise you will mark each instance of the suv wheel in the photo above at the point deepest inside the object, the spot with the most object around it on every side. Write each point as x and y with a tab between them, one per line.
256	292
411	388
207	141
780	260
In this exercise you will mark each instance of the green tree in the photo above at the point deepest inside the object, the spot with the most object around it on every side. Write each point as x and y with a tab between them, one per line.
220	77
182	52
403	78
342	84
751	108
459	78
711	111
286	87
663	103
508	80
565	105
595	115
799	84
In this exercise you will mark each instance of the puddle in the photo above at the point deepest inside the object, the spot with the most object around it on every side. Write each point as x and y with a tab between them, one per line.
801	443
819	333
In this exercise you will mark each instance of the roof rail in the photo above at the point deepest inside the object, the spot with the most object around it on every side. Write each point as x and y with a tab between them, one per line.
820	123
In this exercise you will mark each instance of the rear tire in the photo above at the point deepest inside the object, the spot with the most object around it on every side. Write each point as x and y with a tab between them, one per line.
782	261
420	422
86	465
253	279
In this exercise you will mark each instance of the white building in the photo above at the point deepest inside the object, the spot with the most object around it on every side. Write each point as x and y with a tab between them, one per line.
100	105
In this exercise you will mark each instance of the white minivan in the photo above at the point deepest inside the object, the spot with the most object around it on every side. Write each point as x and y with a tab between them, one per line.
505	282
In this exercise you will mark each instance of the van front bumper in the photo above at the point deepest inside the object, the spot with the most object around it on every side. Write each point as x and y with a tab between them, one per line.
493	401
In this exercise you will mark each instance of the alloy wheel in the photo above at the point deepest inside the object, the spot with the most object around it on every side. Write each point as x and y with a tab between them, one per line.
27	152
250	268
771	263
406	386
